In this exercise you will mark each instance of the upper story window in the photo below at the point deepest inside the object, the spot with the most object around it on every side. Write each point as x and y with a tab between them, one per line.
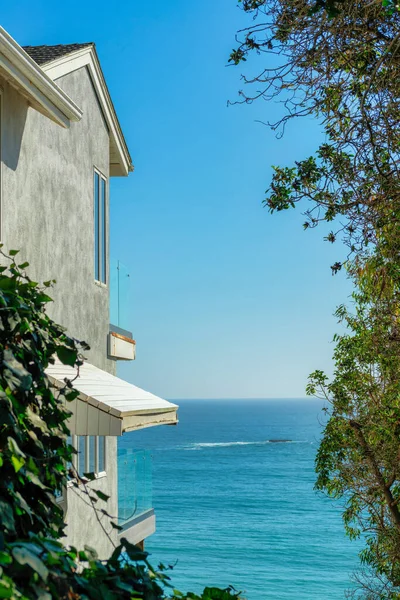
100	227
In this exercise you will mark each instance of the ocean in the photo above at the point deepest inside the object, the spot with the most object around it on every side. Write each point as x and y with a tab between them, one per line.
234	507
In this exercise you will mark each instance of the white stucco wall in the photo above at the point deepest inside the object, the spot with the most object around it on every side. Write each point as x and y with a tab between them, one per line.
47	213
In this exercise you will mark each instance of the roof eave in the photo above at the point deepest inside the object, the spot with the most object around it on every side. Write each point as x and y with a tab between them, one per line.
118	137
43	94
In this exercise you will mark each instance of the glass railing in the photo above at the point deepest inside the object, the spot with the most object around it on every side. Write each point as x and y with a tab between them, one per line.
134	484
120	295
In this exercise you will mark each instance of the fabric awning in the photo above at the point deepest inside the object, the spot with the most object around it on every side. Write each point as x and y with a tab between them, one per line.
108	405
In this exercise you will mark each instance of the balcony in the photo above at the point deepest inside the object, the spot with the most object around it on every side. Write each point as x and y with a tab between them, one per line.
121	345
135	500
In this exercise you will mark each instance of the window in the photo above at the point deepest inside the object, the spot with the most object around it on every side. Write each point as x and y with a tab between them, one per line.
100	228
91	454
102	453
82	455
71	465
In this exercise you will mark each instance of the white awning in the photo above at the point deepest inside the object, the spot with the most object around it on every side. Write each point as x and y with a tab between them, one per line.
108	405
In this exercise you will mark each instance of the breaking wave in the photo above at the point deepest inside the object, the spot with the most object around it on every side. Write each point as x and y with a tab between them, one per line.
200	445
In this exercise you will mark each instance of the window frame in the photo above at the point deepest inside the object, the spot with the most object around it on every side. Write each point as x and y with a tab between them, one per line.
83	442
100	227
97	453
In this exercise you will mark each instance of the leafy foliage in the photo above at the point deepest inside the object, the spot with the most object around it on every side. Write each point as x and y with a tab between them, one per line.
358	459
339	61
34	453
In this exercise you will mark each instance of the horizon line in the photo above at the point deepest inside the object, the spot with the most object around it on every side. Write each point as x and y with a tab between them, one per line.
247	398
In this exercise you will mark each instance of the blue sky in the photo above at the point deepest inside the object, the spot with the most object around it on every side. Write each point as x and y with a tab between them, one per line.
225	300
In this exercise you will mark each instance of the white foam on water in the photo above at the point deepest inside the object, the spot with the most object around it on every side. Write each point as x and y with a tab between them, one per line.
200	445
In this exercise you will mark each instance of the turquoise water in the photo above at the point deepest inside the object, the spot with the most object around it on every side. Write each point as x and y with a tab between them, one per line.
234	508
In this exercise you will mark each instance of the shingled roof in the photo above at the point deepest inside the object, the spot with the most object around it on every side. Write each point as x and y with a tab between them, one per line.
45	54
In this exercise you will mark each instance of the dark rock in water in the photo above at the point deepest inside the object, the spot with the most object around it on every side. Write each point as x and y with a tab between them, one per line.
279	441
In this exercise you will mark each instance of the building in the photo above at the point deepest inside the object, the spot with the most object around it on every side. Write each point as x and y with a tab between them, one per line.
60	143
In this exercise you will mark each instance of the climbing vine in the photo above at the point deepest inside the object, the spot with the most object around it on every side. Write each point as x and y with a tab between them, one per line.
34	454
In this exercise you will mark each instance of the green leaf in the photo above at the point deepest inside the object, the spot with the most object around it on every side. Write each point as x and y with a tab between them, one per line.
71	395
13	252
6	591
36	420
17	463
14	448
41	594
24	556
17	369
68	356
23	504
7	283
36	481
7	516
44	298
134	552
5	558
91	553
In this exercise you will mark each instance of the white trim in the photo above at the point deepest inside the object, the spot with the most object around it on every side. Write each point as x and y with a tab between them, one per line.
139	529
62	66
87	453
97	170
87	57
101	475
101	284
96	453
121	349
43	93
103	243
105	454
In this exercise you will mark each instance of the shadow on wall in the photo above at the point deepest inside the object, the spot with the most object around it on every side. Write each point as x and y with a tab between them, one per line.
13	130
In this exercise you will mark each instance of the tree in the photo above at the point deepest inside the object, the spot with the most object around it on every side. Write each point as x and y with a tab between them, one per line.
339	61
34	454
359	457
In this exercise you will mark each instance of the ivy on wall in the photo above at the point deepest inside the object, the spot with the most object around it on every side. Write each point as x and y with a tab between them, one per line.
34	453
